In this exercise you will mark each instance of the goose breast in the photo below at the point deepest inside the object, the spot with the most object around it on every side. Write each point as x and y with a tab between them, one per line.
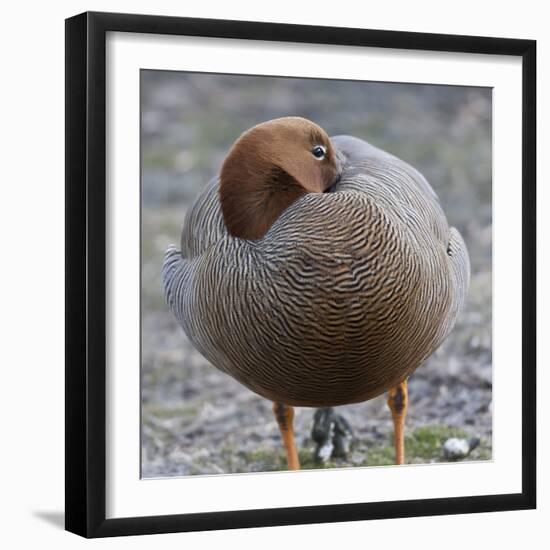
345	296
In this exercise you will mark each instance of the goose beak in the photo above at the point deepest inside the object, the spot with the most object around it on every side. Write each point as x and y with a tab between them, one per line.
339	162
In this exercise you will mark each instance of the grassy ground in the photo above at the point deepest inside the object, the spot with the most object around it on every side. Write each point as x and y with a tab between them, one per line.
197	420
423	445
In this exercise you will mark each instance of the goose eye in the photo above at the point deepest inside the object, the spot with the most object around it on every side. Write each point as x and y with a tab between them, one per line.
319	152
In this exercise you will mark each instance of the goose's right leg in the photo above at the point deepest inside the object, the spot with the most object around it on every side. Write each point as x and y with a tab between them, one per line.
285	418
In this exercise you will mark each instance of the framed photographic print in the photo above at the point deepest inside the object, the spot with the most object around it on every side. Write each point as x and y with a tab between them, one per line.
300	274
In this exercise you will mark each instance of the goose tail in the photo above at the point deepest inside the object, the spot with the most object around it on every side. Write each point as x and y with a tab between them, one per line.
459	263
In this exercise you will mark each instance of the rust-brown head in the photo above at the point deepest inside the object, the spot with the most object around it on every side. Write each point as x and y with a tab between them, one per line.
270	167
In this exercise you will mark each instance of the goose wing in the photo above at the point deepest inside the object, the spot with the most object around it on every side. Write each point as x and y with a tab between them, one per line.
406	191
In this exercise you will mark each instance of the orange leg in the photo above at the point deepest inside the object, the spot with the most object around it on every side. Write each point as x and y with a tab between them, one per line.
398	400
285	416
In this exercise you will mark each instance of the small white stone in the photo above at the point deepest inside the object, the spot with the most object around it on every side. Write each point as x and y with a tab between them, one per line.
455	448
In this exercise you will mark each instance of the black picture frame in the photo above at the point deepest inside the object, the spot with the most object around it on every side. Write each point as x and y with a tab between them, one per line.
86	273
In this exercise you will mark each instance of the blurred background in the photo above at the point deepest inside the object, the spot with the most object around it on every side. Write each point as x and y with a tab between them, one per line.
196	420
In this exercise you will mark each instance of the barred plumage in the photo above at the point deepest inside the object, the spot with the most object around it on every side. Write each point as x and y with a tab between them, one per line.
345	296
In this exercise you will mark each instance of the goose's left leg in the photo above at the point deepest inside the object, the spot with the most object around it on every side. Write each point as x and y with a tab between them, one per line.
285	418
398	400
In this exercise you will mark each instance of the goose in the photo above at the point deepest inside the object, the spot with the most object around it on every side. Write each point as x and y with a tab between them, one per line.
317	271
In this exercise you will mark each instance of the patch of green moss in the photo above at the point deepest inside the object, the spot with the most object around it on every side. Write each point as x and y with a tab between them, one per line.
379	455
423	445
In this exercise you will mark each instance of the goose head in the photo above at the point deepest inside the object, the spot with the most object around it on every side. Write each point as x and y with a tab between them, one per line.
270	167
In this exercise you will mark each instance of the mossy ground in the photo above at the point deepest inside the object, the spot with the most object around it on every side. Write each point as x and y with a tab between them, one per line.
423	445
